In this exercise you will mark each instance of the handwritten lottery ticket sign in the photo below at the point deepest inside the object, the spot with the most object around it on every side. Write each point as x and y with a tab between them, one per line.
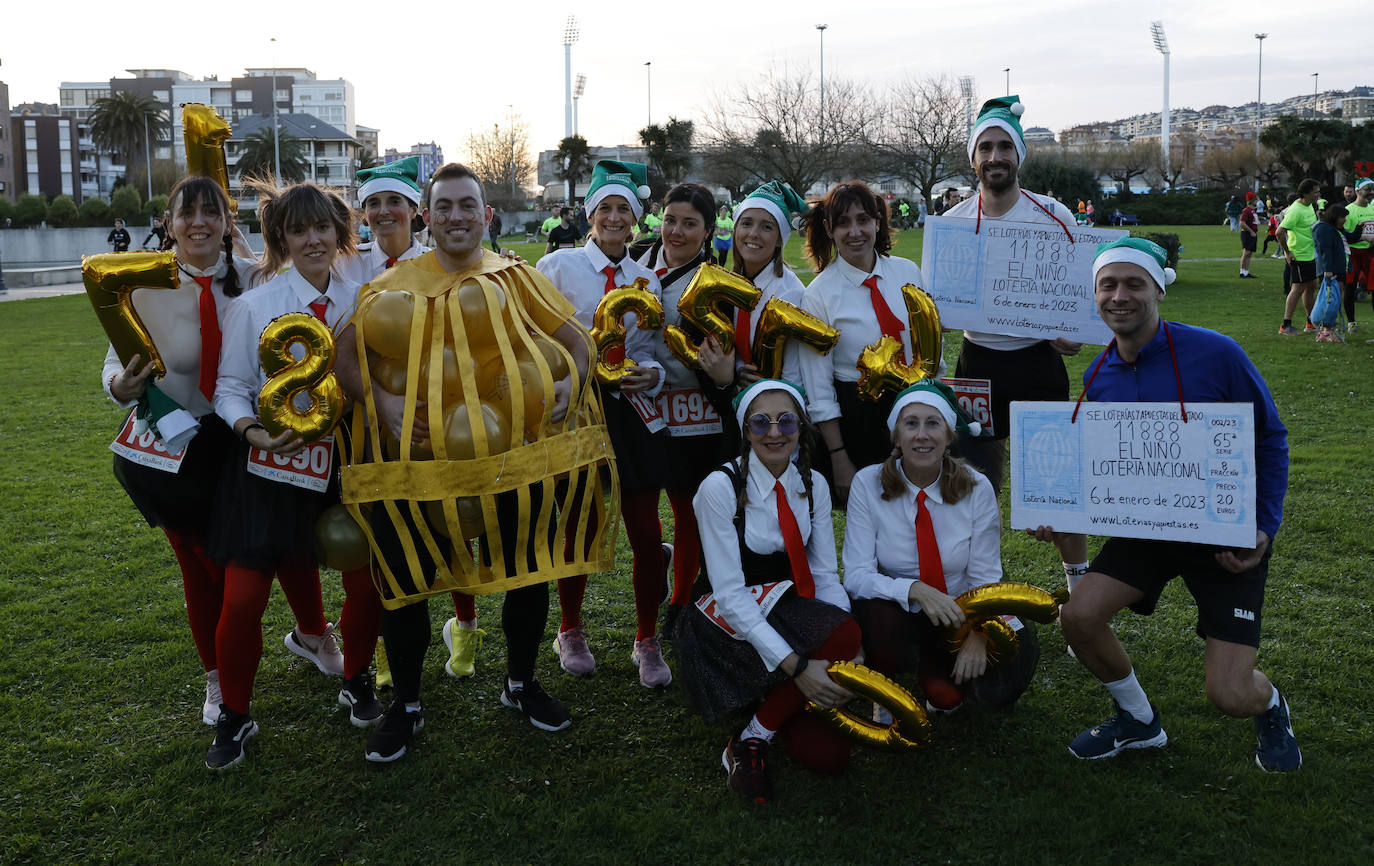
1021	279
1136	470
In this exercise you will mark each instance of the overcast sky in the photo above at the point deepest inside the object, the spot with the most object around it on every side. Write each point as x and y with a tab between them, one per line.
439	75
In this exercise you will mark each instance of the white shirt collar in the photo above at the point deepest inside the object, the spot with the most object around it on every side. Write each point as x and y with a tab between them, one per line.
218	270
762	478
932	490
853	274
598	258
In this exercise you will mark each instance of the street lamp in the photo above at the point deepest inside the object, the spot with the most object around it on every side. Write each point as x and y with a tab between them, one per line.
579	88
1162	46
1007	70
822	28
276	132
1315	77
649	92
569	37
966	91
1259	104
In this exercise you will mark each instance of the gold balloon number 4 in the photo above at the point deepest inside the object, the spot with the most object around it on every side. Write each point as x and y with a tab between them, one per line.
110	281
882	367
608	327
313	374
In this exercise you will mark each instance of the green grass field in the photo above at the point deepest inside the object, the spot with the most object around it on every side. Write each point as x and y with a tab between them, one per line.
100	689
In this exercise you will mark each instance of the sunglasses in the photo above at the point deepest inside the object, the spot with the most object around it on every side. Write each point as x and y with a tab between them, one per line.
760	424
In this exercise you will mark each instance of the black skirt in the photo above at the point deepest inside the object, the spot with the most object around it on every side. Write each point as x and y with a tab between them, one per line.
184	501
863	429
260	524
641	457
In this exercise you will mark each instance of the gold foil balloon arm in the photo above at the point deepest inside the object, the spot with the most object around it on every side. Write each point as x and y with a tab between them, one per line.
710	287
910	728
927	339
287	377
205	133
110	281
781	321
608	327
881	370
1010	599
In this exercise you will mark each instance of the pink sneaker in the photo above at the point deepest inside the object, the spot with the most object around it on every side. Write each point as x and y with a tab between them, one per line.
573	654
653	670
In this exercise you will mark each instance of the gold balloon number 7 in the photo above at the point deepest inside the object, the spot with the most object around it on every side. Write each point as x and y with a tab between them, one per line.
110	280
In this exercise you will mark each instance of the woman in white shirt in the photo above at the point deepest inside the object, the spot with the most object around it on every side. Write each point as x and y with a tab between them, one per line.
921	529
390	196
857	290
769	613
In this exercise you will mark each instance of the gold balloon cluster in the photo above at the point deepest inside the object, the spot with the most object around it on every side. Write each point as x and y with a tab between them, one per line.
882	366
984	606
608	327
313	375
710	288
205	133
110	281
910	728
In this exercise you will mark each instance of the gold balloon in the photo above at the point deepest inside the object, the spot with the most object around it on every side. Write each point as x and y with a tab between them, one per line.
470	520
453	378
608	327
498	394
984	606
110	281
460	438
339	541
781	321
390	373
287	377
554	355
205	133
881	370
477	319
710	286
910	728
927	338
387	317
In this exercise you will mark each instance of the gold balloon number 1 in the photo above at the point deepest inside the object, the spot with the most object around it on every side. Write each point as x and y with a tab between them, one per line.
205	133
313	374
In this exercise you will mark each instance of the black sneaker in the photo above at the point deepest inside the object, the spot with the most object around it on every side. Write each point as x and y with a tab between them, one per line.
232	730
364	710
392	736
746	762
544	712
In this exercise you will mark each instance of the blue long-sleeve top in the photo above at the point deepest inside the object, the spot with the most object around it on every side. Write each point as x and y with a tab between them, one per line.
1214	369
1330	249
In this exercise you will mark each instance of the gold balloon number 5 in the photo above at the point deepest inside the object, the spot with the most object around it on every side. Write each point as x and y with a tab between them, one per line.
313	374
110	281
709	288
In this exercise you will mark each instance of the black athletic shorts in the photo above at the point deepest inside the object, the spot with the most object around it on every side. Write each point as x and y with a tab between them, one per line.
1303	272
1229	605
1036	372
1248	241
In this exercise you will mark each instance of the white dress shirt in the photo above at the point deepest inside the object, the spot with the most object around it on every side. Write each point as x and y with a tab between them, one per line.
371	261
838	297
968	533
240	372
577	274
1024	211
172	317
715	505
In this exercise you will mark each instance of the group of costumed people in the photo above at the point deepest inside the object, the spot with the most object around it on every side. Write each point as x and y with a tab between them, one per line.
480	455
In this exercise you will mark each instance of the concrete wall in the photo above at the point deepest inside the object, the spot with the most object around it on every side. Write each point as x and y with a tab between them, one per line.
28	248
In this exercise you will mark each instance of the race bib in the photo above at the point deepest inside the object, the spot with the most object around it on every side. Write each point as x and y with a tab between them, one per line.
145	449
975	398
688	412
765	594
1367	231
308	470
647	410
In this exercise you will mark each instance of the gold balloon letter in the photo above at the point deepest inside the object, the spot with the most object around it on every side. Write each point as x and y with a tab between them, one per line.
287	377
985	606
710	286
780	322
927	340
111	279
608	327
205	133
881	369
910	728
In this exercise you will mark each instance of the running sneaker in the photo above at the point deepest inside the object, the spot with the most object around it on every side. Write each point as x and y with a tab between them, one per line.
746	763
322	649
1277	751
573	653
232	731
653	670
364	710
1118	733
462	646
1309	327
543	711
389	742
1289	331
209	711
1351	328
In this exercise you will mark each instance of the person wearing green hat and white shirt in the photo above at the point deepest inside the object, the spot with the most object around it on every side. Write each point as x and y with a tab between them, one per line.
1361	273
1151	360
762	226
1295	242
922	528
584	276
1019	368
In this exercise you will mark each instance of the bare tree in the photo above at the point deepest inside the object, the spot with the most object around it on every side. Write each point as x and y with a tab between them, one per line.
922	134
1124	164
1182	164
501	159
773	128
1228	166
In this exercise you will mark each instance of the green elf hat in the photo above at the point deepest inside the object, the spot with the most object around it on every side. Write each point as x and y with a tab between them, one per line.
1138	251
401	176
780	200
1364	182
629	180
1003	112
930	392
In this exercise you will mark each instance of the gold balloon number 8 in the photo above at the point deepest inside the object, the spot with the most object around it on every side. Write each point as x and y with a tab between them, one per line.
313	374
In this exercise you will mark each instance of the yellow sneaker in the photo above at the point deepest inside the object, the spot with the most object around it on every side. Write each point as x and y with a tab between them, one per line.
462	646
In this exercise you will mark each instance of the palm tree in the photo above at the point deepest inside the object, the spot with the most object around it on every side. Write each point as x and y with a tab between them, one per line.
572	160
119	123
258	156
367	159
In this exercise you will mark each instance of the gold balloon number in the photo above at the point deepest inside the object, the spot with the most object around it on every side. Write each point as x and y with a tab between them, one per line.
608	327
710	288
984	607
313	374
910	728
927	337
781	321
205	133
110	281
882	366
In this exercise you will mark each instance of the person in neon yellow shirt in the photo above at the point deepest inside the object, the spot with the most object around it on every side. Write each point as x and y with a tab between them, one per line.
653	223
725	230
1361	273
1295	242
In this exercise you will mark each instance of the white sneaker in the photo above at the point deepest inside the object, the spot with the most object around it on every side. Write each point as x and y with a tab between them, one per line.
209	713
322	649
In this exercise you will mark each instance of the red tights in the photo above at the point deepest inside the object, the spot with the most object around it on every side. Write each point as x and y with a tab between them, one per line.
639	509
238	638
360	621
203	582
812	742
686	546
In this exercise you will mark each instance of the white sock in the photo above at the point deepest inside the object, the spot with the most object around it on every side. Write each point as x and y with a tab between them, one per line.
514	685
1074	573
1131	697
1274	698
756	730
469	624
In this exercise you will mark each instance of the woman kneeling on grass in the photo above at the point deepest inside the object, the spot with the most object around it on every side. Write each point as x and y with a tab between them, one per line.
770	612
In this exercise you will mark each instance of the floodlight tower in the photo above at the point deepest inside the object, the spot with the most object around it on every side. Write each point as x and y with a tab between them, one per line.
579	88
569	37
1259	104
1162	46
966	91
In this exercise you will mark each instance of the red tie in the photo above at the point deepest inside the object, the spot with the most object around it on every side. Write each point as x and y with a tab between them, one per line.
890	325
210	339
660	272
318	308
616	355
390	262
796	551
927	551
742	336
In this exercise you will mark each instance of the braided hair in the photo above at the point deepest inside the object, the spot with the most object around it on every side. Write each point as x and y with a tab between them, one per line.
190	191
